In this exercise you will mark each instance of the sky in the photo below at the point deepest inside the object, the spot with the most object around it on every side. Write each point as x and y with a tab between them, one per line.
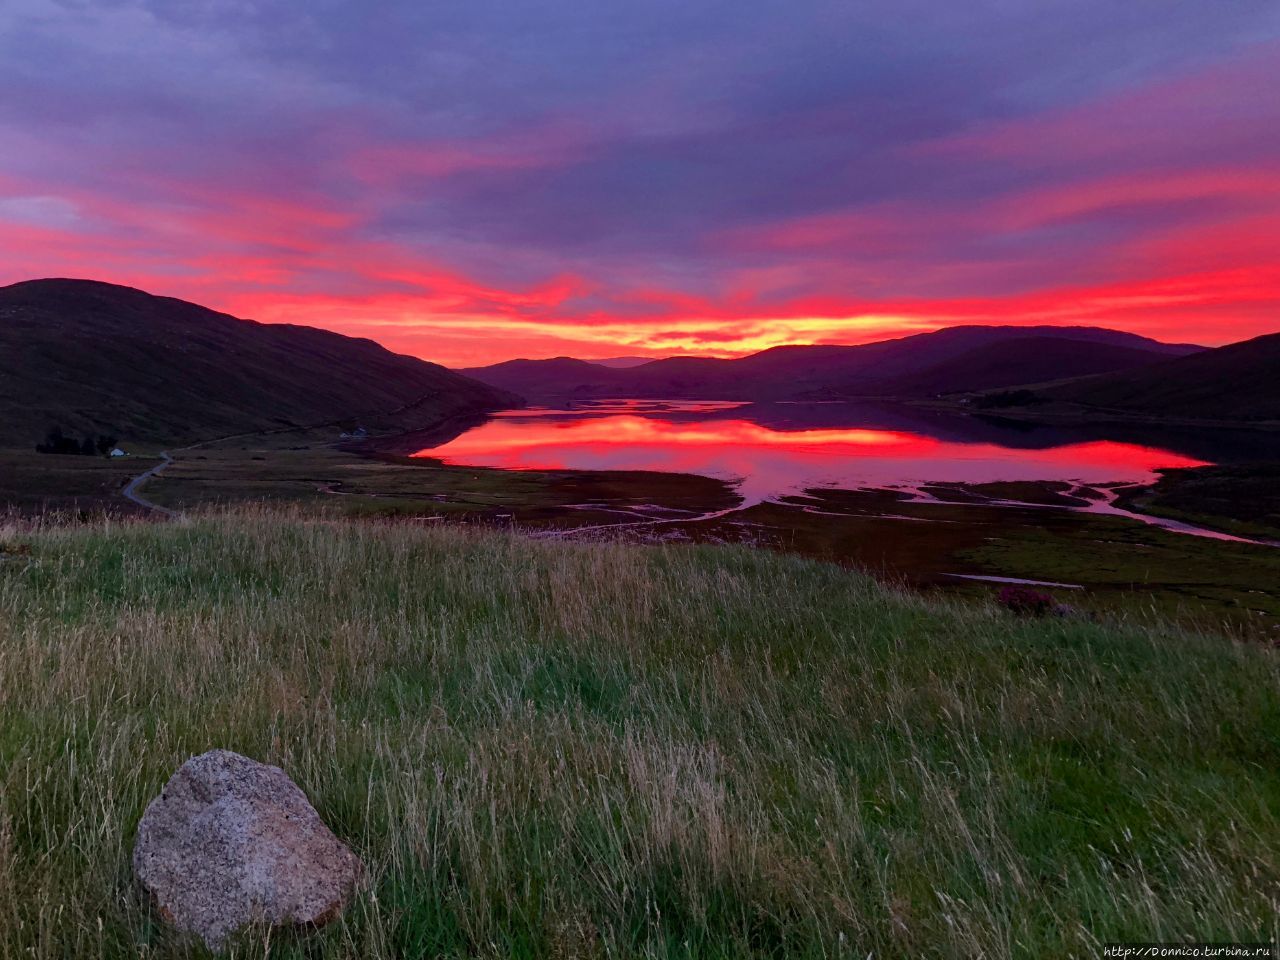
474	180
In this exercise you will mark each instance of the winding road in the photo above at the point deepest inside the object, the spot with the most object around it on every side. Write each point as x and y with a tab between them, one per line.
131	489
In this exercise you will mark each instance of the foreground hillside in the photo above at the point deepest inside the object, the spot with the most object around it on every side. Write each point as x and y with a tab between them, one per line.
548	750
98	358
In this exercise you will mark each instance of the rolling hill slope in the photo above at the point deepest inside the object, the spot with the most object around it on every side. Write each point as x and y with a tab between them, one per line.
887	368
95	357
1237	382
557	378
1023	360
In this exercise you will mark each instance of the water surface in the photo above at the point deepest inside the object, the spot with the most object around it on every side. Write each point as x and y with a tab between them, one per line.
776	449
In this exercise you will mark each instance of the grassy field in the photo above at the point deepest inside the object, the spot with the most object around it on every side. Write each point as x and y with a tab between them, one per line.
1120	565
562	750
386	485
33	483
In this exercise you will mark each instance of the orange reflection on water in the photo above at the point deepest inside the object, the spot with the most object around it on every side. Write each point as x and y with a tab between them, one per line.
767	462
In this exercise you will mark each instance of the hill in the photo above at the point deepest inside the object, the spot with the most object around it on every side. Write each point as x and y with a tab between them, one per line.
1237	382
96	357
1023	360
559	377
621	363
795	372
616	751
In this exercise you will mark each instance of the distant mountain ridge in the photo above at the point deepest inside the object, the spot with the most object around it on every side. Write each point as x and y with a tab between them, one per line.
919	365
94	357
620	363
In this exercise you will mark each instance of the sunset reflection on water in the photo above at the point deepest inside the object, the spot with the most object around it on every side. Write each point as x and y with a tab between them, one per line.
714	440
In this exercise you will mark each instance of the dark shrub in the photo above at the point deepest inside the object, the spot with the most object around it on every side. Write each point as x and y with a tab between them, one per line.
1026	602
57	442
1007	398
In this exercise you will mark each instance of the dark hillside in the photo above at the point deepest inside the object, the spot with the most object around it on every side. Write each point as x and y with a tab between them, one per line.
560	377
1008	363
90	357
1240	382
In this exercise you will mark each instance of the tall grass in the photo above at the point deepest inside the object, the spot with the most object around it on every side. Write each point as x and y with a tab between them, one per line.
558	750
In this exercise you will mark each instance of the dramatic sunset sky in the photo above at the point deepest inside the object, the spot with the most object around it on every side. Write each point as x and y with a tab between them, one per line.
472	180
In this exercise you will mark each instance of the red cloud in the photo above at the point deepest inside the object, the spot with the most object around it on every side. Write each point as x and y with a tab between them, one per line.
1188	213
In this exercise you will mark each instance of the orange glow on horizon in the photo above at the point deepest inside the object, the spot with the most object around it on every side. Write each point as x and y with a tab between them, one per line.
1211	308
280	260
593	218
1211	284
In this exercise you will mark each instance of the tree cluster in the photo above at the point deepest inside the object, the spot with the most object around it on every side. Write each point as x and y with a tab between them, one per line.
1008	398
56	441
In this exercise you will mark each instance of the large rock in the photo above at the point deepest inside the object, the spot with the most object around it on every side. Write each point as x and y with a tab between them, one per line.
231	841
